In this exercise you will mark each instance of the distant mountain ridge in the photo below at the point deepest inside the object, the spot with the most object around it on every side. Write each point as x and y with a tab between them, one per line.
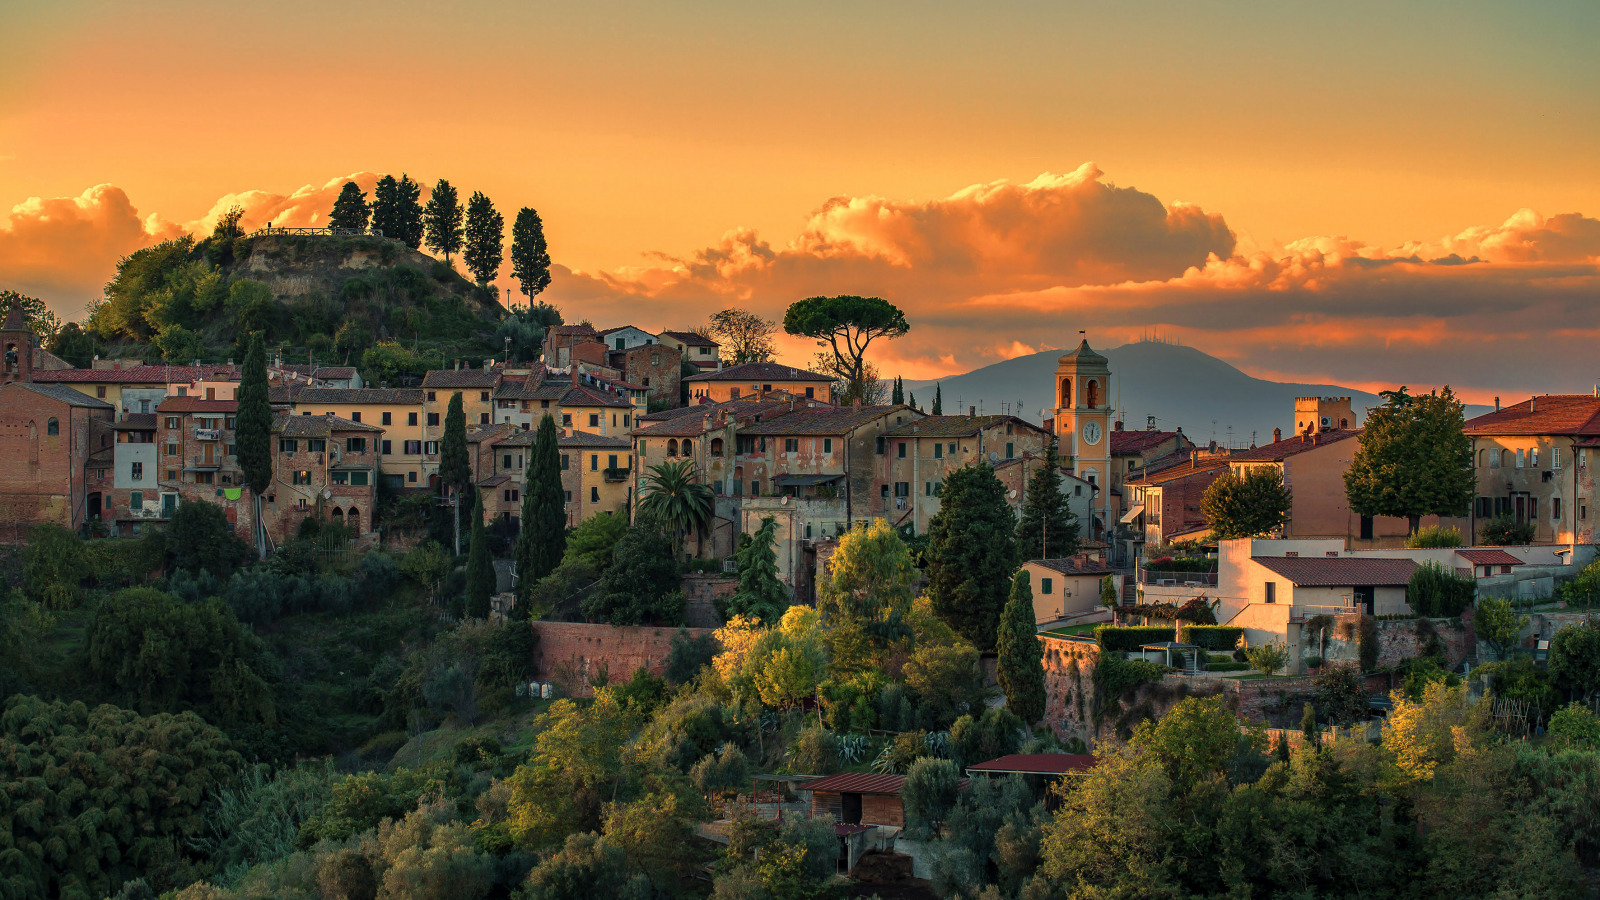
1181	386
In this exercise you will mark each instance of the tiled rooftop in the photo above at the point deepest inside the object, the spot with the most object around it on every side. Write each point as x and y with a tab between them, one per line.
1567	414
756	373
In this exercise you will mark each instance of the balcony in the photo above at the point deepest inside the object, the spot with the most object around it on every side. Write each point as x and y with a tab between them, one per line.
1178	578
207	434
617	473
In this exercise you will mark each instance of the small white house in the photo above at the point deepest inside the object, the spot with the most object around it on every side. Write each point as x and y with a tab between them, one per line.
1063	588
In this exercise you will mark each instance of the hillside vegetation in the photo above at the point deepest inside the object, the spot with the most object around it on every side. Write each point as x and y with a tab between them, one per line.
331	297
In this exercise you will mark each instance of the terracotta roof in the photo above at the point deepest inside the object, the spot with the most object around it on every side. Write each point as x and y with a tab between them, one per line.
64	394
1037	763
102	458
1083	354
572	329
385	396
588	439
139	375
617	328
285	393
479	433
494	481
756	373
820	420
335	373
1488	556
577	395
665	415
196	405
1073	566
953	426
856	783
461	378
1185	469
1291	446
136	422
690	338
1139	441
1340	571
1575	414
288	425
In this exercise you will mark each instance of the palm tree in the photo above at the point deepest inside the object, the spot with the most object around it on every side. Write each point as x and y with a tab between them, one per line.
672	494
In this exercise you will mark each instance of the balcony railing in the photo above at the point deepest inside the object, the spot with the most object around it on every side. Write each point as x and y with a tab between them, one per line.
617	473
1191	579
206	434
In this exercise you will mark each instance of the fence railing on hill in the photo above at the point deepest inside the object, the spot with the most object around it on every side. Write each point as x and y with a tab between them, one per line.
324	232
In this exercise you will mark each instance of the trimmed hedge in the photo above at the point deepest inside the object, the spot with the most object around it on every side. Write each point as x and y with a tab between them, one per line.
1212	637
1229	666
1127	638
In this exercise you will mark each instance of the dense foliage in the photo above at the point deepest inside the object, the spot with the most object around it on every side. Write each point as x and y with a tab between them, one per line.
1021	664
1253	504
1413	459
1047	528
972	553
1437	591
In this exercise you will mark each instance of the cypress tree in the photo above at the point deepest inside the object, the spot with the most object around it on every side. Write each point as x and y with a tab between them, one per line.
938	400
252	434
972	553
350	210
408	212
530	255
898	396
485	239
441	220
480	565
455	472
386	208
1021	663
912	401
543	538
1048	527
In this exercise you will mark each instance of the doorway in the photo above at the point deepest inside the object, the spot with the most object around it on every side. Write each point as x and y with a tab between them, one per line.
850	809
1366	598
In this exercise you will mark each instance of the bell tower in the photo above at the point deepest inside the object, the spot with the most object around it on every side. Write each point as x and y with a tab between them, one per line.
16	347
1083	412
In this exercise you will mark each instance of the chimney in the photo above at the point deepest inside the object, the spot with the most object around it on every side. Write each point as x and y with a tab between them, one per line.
972	410
1194	457
1116	426
1277	435
1530	404
1497	404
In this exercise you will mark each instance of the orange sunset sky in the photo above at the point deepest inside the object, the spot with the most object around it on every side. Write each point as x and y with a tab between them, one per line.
1358	192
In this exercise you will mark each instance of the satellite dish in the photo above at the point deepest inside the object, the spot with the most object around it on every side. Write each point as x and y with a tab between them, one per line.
994	456
1011	494
784	500
328	495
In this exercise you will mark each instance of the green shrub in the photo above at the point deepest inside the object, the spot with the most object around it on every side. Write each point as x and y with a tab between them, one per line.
1505	531
929	794
1223	638
1367	643
1434	536
1435	591
1124	639
1180	564
1229	666
1576	727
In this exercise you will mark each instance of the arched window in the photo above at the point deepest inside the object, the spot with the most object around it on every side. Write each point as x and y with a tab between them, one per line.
52	427
338	515
688	447
353	521
1481	455
1066	393
1494	459
672	447
1505	459
716	446
1091	394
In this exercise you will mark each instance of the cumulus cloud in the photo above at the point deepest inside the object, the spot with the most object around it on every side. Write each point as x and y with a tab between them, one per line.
63	249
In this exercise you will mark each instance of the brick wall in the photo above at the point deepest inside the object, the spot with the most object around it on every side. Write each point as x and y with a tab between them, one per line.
572	653
702	593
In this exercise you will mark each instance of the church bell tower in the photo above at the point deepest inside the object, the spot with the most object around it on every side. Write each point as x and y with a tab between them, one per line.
1083	411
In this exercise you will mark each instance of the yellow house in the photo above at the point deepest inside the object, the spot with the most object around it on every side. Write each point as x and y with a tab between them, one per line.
754	379
595	411
403	448
1064	588
477	387
595	473
141	388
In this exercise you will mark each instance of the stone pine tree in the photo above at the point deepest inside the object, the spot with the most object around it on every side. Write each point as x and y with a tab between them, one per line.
530	255
938	400
1414	459
1021	663
972	553
252	435
1047	527
350	210
408	212
480	565
1254	504
485	239
386	208
543	538
441	220
455	472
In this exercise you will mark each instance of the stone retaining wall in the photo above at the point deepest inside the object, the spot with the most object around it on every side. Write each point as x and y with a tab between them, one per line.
573	654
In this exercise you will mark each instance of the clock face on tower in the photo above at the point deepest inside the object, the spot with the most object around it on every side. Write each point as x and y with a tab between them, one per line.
1091	433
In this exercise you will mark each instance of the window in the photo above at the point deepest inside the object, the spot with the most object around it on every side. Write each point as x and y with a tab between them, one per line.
791	445
301	477
1366	528
733	393
901	451
483	418
755	488
386	448
430	448
483	396
172	449
767	388
433	420
411	418
808	530
568	495
563	462
505	461
100	392
1272	592
1533	458
1047	585
172	474
952	450
927	489
173	423
355	445
355	415
902	488
1519	458
621	342
358	479
594	420
53	426
1505	459
430	397
1583	510
1555	508
827	445
205	478
411	477
1011	450
811	393
938	451
227	422
1077	490
544	404
1533	508
1555	457
1505	570
138	471
287	445
341	477
716	486
1494	459
738	487
135	499
625	417
641	448
881	443
316	445
566	419
1481	454
388	418
413	447
594	462
1483	507
594	495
